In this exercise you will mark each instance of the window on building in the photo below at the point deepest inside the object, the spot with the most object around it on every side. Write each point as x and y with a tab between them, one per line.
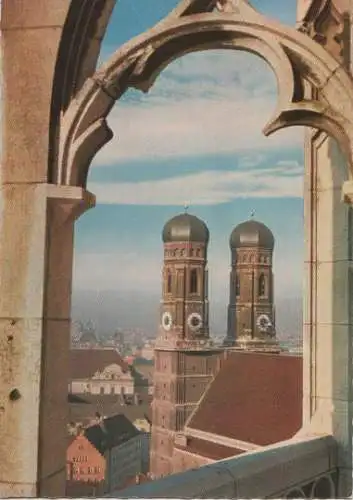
169	282
101	390
112	389
193	281
262	285
237	285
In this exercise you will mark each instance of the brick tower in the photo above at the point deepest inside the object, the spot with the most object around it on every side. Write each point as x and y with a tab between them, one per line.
251	312
185	359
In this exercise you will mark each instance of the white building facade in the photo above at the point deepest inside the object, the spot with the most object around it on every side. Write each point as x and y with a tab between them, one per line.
111	380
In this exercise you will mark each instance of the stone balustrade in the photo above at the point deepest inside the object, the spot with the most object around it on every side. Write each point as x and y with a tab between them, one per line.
297	468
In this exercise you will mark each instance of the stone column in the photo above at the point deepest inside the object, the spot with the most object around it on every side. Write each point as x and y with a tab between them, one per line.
36	248
327	334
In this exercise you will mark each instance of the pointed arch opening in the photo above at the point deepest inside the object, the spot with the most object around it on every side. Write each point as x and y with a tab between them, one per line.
262	285
237	285
194	281
169	281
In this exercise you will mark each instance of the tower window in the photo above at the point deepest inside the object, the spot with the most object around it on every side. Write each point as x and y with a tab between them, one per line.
169	282
262	285
193	281
237	285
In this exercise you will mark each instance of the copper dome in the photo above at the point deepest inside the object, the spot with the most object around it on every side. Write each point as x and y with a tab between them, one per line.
185	227
252	234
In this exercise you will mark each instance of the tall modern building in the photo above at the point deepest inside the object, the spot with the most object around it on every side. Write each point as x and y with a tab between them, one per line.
251	311
185	359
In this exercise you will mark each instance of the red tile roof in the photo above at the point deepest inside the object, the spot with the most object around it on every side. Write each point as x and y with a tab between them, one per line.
84	363
255	397
210	450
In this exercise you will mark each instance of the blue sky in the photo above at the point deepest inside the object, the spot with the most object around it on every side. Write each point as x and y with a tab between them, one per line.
196	138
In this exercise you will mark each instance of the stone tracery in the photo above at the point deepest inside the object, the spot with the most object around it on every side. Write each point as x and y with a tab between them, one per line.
296	60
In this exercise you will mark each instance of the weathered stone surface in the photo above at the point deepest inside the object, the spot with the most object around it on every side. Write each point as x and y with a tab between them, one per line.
17	14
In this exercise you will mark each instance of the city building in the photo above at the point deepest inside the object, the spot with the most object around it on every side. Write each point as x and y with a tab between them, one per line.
111	451
100	371
85	463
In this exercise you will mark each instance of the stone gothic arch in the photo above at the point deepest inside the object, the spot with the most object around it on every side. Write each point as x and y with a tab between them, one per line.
300	65
44	178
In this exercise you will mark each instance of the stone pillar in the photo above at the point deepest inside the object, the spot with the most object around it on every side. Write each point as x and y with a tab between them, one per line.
327	334
36	248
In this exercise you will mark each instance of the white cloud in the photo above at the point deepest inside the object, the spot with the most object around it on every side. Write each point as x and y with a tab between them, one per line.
205	103
190	128
206	188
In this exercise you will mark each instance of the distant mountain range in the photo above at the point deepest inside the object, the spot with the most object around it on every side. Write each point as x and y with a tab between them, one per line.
110	310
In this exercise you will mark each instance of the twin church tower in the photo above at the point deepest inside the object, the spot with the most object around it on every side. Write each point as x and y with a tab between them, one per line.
185	307
186	360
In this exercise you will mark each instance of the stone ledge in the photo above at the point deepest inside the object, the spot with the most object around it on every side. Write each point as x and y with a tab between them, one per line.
276	468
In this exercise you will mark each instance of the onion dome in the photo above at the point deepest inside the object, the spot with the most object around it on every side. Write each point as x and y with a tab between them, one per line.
252	234
185	227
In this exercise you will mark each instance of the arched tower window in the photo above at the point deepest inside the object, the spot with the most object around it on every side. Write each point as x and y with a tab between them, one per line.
237	285
169	282
193	281
262	285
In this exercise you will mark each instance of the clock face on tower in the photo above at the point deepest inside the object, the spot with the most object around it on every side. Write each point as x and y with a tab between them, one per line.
195	322
167	320
263	322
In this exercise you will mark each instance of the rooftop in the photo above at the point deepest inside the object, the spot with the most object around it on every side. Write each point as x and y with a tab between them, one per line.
254	398
110	432
84	363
